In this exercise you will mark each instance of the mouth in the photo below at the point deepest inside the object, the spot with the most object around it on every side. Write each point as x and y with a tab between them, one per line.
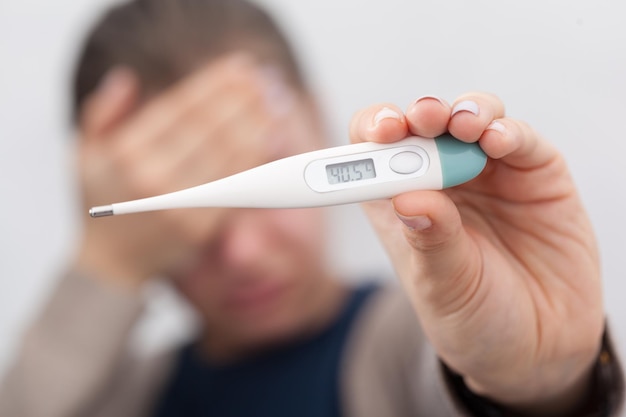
255	297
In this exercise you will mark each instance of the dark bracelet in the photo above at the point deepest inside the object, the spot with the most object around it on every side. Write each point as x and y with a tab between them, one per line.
605	398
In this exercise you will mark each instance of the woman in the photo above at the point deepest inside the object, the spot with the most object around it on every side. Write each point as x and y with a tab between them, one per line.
505	311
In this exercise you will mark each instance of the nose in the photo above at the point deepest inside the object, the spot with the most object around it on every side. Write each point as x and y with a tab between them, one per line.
245	240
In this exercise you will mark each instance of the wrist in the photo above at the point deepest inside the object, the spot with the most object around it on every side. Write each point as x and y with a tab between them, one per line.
110	269
601	392
539	399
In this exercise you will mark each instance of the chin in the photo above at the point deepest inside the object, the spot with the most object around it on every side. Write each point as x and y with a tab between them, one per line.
265	333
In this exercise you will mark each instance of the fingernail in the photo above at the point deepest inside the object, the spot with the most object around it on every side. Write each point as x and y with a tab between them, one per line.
239	58
386	113
497	126
115	81
443	103
468	106
278	96
418	223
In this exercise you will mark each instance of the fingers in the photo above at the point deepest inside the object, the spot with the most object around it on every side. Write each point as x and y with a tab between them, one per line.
213	124
516	144
110	103
119	90
471	117
443	250
434	228
167	109
380	123
431	218
206	126
227	133
428	116
481	117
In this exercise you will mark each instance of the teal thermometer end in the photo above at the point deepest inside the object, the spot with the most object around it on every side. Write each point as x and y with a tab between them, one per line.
460	161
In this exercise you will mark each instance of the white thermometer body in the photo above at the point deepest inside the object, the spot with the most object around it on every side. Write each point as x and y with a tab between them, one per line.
340	175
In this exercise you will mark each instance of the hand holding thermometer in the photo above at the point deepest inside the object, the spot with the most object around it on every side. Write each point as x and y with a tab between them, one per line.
340	175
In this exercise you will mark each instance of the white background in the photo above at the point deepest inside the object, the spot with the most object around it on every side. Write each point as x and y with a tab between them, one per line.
559	65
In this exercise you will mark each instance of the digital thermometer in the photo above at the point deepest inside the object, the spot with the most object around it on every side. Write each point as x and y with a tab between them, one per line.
340	175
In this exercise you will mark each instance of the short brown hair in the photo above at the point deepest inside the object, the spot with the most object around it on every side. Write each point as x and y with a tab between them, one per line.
163	40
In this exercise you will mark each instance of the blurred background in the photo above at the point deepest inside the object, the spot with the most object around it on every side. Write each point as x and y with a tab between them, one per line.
560	65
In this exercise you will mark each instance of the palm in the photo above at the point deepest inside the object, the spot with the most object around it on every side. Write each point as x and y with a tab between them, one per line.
528	270
539	264
502	271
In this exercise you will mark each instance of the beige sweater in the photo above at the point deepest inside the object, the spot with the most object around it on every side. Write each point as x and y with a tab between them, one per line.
74	361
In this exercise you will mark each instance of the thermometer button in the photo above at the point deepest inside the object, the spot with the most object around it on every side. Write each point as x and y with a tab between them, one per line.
406	162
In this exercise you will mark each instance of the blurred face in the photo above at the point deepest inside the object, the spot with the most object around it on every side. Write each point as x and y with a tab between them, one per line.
261	278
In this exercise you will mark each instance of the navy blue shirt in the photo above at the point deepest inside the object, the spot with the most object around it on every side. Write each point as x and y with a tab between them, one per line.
300	379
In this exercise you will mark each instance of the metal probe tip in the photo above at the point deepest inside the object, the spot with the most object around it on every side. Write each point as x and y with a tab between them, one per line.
101	211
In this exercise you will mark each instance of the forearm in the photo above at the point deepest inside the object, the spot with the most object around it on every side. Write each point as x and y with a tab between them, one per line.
70	350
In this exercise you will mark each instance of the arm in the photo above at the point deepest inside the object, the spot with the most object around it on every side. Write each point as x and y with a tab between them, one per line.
70	351
503	271
135	144
210	124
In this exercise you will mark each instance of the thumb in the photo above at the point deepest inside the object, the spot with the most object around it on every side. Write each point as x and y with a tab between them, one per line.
110	102
447	258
